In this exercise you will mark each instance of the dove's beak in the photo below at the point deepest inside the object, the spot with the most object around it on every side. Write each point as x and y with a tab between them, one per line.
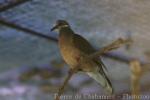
55	27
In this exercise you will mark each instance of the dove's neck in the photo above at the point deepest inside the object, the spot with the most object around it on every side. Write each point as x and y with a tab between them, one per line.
66	34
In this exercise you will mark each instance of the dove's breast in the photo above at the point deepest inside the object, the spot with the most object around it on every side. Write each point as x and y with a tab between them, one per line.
70	54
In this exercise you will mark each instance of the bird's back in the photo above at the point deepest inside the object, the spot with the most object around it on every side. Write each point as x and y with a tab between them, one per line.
82	44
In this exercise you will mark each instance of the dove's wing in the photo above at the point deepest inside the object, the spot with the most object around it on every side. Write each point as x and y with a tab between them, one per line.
99	75
87	48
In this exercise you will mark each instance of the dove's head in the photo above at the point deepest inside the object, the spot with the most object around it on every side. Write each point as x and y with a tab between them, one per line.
60	24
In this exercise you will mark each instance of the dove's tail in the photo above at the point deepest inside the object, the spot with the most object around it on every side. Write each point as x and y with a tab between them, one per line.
102	79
